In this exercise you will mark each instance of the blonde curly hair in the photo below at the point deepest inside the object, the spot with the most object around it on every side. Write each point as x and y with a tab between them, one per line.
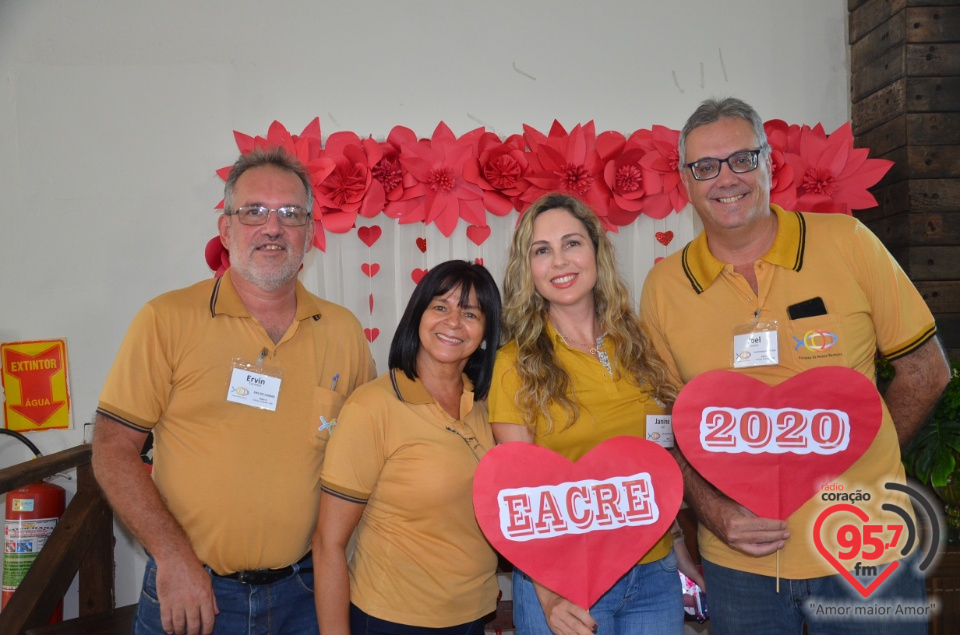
543	380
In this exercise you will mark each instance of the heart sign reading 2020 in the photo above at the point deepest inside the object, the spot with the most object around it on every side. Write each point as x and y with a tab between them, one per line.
771	447
576	528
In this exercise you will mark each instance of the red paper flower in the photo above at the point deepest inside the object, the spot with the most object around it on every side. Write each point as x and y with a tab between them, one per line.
569	163
663	157
397	184
499	170
305	147
624	176
441	195
836	175
217	256
351	188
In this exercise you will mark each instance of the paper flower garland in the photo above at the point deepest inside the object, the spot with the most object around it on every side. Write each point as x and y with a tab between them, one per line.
444	179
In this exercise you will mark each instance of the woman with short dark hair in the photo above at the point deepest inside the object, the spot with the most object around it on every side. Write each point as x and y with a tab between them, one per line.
399	468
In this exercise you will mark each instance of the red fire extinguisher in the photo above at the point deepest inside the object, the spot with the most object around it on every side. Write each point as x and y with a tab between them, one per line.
31	514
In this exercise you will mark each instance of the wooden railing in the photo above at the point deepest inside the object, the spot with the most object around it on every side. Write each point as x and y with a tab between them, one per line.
81	542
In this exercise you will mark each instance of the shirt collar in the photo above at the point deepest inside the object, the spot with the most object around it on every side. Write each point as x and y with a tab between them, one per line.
701	267
225	300
413	391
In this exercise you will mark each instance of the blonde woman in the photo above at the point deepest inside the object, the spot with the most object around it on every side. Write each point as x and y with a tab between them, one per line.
578	369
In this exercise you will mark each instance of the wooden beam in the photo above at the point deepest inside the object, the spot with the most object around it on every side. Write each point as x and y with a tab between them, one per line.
46	466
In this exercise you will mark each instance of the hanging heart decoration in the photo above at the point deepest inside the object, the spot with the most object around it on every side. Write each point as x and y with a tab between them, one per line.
371	303
369	235
478	233
418	274
422	244
479	261
664	238
370	269
371	334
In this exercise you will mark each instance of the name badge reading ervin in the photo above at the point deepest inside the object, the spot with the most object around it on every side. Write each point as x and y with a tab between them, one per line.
253	385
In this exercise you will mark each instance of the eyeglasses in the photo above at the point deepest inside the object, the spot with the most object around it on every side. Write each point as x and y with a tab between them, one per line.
739	162
288	215
471	442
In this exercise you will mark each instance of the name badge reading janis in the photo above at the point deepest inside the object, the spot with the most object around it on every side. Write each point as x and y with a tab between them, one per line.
254	385
756	345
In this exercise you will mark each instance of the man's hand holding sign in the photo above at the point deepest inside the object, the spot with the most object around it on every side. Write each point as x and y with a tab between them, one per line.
577	527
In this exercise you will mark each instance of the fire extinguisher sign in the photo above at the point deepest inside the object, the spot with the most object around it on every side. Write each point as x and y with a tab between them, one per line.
34	378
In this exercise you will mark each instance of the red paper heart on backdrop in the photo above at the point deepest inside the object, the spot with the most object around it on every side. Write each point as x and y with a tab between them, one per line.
478	233
418	274
479	261
422	244
789	459
664	238
369	235
583	557
371	303
370	270
657	259
371	334
865	591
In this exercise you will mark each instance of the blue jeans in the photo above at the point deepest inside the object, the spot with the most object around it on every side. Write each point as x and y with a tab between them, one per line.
741	602
646	600
284	607
363	624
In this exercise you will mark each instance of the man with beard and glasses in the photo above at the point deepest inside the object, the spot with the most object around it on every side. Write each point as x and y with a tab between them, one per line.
240	380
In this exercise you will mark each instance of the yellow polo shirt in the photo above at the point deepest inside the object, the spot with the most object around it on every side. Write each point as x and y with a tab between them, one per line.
243	482
608	408
420	559
692	302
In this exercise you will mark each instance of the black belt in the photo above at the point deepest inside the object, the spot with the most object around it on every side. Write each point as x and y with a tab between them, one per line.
264	576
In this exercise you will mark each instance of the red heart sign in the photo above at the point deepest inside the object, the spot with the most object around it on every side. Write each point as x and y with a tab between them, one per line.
664	238
371	334
818	541
418	274
370	270
422	244
771	447
369	235
577	527
478	233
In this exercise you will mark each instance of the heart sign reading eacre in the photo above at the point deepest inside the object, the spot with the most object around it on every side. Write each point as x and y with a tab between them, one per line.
576	528
770	448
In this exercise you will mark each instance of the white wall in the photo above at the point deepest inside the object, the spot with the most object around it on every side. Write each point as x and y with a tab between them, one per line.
114	115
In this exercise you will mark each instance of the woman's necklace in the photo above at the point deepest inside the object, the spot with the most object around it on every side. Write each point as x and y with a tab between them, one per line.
594	348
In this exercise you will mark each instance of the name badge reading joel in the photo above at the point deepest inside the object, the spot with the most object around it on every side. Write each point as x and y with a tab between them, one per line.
254	385
756	346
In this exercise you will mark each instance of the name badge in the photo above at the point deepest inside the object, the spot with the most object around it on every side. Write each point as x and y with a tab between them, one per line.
660	430
254	385
756	347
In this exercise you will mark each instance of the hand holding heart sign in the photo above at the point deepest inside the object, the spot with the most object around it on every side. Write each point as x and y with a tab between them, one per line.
770	447
576	528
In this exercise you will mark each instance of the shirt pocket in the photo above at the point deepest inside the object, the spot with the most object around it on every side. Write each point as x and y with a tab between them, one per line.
323	416
816	341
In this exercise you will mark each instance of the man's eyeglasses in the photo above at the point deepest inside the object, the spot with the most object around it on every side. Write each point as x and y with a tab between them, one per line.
288	215
739	162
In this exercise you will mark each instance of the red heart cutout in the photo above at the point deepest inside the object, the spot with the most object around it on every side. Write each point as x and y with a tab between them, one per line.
418	274
664	238
369	235
626	491
771	447
422	244
479	261
818	541
370	270
371	334
478	233
657	259
371	303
